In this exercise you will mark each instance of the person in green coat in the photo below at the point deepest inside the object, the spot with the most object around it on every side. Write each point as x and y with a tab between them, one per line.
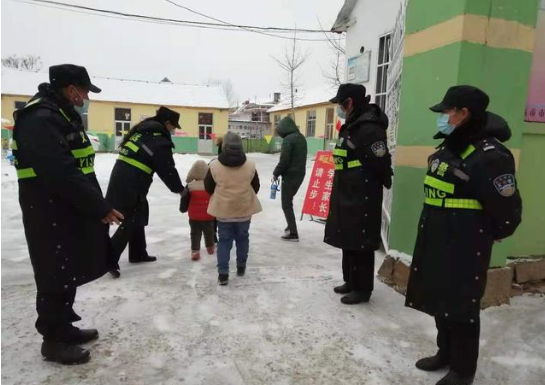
292	169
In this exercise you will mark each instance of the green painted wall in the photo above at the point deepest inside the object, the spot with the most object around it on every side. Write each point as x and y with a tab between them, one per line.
185	145
530	236
426	13
6	134
503	74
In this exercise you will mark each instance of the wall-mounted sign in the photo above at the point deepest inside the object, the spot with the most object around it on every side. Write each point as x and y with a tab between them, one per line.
358	68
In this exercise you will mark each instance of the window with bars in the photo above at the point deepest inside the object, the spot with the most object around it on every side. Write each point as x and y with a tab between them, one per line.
329	123
122	118
311	124
205	126
383	63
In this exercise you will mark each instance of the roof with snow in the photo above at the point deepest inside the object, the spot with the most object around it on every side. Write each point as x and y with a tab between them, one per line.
343	20
15	82
306	98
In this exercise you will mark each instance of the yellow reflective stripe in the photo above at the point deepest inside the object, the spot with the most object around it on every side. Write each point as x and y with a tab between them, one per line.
131	146
338	166
136	164
439	184
463	204
452	203
14	145
340	152
32	102
157	134
83	152
354	163
63	114
468	151
87	170
434	202
26	173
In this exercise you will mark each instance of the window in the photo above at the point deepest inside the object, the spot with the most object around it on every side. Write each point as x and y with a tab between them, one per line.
122	117
20	105
311	124
276	121
205	126
329	123
382	70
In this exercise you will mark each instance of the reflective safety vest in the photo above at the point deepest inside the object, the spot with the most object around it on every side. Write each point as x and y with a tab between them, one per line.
80	146
136	153
442	183
343	155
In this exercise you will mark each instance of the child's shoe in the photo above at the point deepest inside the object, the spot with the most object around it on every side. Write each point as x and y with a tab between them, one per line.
223	279
195	255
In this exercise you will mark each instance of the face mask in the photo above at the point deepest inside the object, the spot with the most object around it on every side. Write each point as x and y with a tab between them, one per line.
443	125
83	109
340	112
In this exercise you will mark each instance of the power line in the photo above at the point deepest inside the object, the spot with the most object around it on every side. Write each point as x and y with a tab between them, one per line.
152	19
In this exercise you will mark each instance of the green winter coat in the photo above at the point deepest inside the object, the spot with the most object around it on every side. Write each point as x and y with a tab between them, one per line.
293	156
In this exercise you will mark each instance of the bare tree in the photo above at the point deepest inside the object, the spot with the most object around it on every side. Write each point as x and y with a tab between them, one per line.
335	72
28	62
227	87
290	62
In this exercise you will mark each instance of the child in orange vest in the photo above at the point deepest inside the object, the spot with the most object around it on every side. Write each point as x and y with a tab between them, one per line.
195	201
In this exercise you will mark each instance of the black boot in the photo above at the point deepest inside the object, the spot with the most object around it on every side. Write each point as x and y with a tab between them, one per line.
343	289
64	353
147	258
433	363
223	279
290	237
454	379
356	297
241	271
115	273
77	336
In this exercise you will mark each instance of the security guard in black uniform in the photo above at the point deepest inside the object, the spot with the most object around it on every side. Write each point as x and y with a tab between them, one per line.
363	166
146	149
64	213
471	200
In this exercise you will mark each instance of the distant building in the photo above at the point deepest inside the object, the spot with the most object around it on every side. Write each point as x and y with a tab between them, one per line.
314	115
251	120
204	110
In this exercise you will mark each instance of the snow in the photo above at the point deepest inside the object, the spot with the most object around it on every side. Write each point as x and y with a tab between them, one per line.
306	97
169	322
15	82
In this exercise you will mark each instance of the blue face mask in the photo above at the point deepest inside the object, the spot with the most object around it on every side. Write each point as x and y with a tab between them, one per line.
83	109
340	112
443	125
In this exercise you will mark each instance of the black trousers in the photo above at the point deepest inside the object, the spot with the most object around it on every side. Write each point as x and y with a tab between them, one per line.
55	314
290	186
135	236
198	229
359	269
458	344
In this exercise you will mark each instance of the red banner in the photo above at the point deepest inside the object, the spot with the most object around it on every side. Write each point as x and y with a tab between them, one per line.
320	185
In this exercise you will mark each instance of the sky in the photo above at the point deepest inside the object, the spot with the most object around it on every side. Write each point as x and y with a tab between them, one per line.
111	47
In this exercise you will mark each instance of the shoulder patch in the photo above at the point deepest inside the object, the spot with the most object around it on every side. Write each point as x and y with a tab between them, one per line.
379	149
434	165
505	185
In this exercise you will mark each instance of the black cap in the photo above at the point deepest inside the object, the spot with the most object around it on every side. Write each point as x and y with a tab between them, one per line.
167	115
349	90
64	75
472	98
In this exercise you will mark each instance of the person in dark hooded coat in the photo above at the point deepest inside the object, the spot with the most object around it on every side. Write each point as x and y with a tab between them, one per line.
65	215
292	168
362	170
471	200
146	149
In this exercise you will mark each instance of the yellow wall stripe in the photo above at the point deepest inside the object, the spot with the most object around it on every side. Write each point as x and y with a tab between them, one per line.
493	32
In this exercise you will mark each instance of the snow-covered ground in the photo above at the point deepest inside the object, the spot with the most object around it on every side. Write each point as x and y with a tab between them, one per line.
170	323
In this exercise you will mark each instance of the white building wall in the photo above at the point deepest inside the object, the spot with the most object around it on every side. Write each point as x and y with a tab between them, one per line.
374	18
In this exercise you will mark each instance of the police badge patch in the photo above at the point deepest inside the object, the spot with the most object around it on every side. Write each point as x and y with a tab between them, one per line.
505	184
434	165
379	149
